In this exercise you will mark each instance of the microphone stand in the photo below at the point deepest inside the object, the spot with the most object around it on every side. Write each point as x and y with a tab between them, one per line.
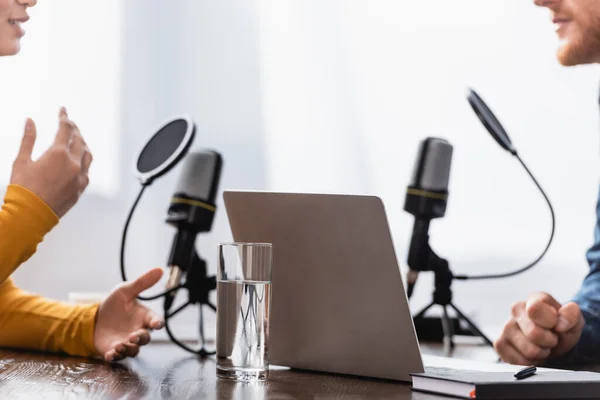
191	215
422	258
199	285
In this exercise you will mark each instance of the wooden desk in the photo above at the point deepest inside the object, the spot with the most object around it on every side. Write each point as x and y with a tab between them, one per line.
165	371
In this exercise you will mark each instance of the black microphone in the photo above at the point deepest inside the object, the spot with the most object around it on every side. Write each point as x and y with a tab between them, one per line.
426	199
191	211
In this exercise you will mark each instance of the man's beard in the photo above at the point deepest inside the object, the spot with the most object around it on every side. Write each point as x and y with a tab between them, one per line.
584	49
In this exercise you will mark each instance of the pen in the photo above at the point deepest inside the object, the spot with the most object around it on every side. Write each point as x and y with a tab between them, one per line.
525	373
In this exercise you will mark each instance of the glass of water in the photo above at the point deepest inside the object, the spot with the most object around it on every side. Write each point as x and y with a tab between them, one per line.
243	304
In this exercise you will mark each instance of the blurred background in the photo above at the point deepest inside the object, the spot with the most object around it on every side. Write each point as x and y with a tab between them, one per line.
315	96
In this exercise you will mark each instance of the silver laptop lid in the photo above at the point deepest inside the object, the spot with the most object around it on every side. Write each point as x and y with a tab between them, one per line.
338	302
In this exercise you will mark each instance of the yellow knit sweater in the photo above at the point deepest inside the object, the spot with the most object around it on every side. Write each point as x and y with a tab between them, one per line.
28	321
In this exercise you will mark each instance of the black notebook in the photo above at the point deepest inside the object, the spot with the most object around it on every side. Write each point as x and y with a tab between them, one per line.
545	384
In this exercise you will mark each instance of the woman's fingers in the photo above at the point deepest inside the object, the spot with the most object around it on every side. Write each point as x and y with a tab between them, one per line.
125	349
113	355
131	350
141	337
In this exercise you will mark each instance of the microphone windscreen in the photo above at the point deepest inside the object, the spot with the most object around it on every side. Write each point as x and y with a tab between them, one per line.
200	176
432	166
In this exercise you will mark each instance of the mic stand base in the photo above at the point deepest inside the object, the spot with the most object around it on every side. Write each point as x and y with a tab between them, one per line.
445	328
423	258
199	287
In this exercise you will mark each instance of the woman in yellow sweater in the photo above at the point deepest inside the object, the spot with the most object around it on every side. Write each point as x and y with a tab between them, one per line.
39	194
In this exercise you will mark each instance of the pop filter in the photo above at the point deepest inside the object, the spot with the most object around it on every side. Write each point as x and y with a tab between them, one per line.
491	123
165	148
493	126
163	151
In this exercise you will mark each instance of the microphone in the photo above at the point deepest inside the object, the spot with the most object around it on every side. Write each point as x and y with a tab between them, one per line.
426	199
191	211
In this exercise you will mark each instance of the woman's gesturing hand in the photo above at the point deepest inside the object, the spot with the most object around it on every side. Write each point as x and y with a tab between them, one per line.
60	175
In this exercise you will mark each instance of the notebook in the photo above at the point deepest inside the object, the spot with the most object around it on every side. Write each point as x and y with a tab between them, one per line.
477	384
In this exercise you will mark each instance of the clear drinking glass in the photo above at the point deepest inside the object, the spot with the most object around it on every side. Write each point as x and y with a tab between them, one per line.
243	304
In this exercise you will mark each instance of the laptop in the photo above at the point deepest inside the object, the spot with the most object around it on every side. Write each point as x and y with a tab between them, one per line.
338	304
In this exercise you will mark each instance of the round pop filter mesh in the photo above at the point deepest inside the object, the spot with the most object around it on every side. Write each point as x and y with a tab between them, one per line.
162	145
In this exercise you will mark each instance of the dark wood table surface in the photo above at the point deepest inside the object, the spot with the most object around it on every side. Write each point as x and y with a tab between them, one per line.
163	371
